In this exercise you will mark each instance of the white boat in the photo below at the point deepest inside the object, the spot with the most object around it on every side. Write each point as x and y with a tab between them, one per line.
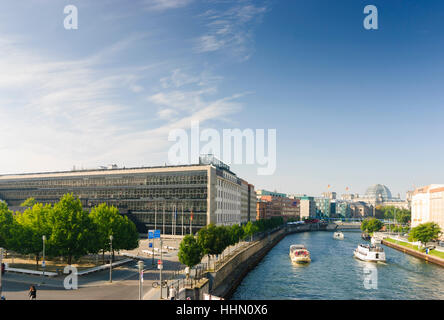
375	240
371	253
299	254
338	235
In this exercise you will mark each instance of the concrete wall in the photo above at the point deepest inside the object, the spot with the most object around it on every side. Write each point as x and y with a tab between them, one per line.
224	281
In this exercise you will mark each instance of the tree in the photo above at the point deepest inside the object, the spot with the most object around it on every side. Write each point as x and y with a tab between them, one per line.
6	224
371	225
73	232
425	232
212	240
236	234
250	229
30	228
109	222
190	252
126	236
30	202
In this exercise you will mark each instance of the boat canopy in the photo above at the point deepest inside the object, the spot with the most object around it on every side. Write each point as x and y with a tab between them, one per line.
297	247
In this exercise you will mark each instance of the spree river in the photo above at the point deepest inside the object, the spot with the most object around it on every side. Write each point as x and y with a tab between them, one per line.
335	274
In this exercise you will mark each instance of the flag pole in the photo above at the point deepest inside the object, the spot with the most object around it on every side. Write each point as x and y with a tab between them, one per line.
182	219
163	216
155	216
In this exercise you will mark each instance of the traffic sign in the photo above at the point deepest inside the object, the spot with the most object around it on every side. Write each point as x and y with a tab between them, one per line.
151	244
160	266
43	264
156	234
151	234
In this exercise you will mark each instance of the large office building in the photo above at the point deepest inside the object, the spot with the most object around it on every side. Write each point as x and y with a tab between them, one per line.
428	205
172	199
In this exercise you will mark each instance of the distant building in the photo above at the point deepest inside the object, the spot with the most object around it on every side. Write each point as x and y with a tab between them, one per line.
269	206
380	195
323	207
342	209
329	195
428	205
274	194
361	209
307	206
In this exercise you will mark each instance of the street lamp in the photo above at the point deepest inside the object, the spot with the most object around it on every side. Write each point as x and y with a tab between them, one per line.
44	263
140	265
160	268
111	258
1	271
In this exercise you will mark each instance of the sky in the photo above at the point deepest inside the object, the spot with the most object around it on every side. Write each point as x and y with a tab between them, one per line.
351	107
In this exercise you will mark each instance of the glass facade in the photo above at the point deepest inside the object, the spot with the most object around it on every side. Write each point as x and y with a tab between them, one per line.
150	199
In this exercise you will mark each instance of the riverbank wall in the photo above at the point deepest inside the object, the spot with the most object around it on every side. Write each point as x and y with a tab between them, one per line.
224	281
417	254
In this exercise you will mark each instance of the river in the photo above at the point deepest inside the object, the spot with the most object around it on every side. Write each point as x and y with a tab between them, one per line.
335	274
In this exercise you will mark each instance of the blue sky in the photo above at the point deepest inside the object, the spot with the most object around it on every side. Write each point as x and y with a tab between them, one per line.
351	107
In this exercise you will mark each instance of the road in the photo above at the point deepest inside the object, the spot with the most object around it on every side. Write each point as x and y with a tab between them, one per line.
95	286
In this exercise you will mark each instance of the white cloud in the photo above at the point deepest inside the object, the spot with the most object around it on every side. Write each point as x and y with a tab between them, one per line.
56	113
231	29
161	5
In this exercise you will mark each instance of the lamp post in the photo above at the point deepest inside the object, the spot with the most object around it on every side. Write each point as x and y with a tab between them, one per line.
160	268
1	270
44	263
140	265
111	258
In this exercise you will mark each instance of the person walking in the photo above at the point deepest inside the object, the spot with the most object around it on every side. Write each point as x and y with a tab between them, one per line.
172	293
32	293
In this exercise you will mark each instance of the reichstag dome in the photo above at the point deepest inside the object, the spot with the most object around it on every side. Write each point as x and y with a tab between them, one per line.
379	192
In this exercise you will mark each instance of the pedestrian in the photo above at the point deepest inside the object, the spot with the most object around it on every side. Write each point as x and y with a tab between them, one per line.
172	293
32	293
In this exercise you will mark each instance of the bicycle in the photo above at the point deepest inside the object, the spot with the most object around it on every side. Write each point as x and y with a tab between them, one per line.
164	284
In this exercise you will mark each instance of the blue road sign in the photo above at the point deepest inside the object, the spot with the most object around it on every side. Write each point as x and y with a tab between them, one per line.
151	234
151	244
156	234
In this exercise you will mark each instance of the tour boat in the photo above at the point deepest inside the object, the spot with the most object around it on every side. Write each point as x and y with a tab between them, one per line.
299	254
371	253
338	235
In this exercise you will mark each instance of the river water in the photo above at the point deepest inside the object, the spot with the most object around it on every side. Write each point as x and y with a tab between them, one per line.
335	274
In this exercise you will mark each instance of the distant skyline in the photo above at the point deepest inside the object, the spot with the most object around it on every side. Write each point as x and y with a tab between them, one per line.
352	107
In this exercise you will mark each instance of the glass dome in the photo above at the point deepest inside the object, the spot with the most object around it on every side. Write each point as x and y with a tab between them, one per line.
379	191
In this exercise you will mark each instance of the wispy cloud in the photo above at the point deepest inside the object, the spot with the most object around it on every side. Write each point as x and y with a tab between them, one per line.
162	5
58	112
231	29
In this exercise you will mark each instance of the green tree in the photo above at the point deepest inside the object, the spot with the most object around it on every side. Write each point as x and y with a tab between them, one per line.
6	225
30	202
250	229
73	232
236	234
212	240
190	252
31	226
371	225
425	232
109	222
